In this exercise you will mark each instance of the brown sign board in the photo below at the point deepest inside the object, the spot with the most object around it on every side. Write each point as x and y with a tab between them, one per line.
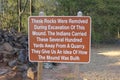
59	39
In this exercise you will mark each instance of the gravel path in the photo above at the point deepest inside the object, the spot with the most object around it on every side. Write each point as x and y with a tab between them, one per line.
104	65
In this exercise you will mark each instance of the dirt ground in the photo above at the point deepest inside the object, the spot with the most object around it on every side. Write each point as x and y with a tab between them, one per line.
104	65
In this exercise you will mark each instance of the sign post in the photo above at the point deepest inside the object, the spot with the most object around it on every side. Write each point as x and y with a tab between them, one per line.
77	66
63	39
40	64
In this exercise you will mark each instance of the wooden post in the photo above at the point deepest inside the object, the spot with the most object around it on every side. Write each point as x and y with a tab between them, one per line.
76	72
39	74
77	66
40	64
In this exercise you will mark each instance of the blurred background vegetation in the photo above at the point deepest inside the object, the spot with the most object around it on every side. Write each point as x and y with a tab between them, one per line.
105	15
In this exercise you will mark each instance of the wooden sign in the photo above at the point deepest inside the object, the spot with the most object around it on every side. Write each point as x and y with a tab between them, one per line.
59	38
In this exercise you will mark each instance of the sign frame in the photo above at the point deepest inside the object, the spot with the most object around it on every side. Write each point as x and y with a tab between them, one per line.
59	17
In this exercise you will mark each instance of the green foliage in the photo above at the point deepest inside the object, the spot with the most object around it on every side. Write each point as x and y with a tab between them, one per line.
104	14
48	6
9	17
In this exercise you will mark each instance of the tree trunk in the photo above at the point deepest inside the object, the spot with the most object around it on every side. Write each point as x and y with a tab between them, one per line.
19	14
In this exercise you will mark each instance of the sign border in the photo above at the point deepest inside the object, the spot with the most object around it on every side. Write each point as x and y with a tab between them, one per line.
59	61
